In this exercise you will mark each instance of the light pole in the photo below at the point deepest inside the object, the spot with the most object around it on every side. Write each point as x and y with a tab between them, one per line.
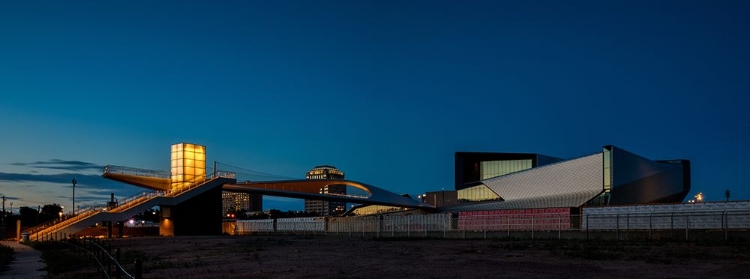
74	195
3	216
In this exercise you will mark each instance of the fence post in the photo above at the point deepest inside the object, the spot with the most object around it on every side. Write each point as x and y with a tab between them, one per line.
117	257
671	225
627	226
687	225
725	220
587	226
559	227
393	228
617	226
484	227
138	274
408	227
532	226
507	219
109	259
450	221
378	231
650	224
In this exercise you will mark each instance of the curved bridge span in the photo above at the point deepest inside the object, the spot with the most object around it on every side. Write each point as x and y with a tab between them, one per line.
310	189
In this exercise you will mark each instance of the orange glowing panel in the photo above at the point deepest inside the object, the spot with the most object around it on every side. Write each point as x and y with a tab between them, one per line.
188	164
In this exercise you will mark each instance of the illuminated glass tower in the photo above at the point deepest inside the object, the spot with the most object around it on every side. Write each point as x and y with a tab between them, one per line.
188	164
326	208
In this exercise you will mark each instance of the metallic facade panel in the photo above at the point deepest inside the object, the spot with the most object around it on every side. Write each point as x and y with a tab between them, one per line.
637	180
566	182
629	167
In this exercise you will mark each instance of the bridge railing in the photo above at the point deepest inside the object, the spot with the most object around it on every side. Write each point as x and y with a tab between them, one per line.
135	171
62	222
192	184
136	200
86	212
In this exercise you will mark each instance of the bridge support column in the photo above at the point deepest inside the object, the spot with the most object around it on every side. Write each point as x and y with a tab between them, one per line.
109	229
199	215
166	223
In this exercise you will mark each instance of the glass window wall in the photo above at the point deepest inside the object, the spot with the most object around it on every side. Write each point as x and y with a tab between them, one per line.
477	193
489	169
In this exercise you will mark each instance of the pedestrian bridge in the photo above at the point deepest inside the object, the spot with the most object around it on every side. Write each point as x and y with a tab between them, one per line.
200	198
310	189
297	188
188	193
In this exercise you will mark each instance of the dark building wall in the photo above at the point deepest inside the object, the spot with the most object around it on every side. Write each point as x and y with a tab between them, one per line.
467	164
441	198
256	202
200	215
637	180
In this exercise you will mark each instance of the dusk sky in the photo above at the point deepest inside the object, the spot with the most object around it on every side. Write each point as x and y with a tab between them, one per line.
386	91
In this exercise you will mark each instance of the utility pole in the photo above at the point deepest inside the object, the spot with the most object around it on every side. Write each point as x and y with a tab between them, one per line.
3	217
74	196
727	193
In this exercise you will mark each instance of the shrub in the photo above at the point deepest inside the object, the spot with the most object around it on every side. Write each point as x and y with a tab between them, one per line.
6	255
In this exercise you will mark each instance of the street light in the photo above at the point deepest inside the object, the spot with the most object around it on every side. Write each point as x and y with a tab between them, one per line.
74	195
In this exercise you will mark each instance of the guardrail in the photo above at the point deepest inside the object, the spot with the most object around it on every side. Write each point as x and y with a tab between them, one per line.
108	265
135	171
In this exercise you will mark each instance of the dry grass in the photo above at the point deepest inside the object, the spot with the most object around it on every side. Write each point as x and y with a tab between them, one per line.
329	257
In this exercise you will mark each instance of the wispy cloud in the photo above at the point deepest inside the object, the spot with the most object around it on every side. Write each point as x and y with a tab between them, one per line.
37	189
57	164
64	178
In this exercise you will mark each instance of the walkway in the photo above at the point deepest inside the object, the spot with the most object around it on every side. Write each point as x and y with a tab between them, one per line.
27	263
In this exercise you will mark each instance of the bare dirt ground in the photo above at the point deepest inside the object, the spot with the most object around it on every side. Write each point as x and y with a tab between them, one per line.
331	257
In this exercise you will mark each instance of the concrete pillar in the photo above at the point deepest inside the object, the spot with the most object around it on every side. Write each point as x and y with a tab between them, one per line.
166	223
200	215
109	229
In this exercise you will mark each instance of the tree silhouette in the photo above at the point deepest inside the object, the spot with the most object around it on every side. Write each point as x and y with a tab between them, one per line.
50	212
28	216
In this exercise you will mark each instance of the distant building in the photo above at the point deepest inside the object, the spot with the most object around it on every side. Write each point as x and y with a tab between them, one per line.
612	176
440	198
326	208
237	201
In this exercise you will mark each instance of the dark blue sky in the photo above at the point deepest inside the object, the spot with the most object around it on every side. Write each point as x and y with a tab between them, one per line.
385	90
